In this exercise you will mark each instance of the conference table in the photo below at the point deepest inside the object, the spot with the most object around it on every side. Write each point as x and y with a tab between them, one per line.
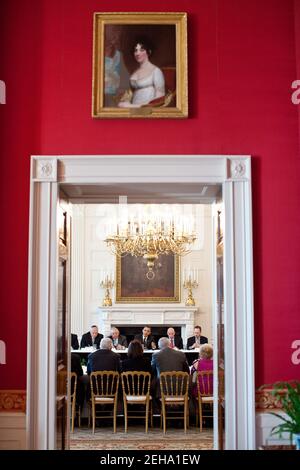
191	354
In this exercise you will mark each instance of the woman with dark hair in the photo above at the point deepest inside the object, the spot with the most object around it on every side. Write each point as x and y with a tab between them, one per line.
136	359
147	81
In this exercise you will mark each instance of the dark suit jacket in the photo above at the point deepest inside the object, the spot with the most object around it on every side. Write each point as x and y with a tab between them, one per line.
74	341
139	364
192	340
121	340
86	340
76	365
178	342
103	359
149	340
169	360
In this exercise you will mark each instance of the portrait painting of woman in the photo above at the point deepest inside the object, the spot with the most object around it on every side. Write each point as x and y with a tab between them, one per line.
140	65
147	82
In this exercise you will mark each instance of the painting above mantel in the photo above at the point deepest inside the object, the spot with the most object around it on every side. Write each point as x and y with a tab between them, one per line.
133	285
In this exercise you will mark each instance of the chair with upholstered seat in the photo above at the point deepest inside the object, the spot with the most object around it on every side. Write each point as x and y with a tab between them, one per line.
136	391
104	392
205	393
174	387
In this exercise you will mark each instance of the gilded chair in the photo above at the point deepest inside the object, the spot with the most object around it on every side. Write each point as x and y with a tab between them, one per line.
104	391
73	379
174	388
136	391
205	393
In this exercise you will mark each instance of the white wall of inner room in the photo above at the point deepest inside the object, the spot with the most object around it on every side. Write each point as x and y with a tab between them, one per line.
90	257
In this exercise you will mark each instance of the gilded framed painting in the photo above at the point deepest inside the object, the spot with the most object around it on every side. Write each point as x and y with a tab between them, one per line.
133	285
140	65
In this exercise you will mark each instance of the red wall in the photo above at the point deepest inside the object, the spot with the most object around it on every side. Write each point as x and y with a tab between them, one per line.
242	60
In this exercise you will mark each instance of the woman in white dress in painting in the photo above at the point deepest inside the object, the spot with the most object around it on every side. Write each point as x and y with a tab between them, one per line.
147	81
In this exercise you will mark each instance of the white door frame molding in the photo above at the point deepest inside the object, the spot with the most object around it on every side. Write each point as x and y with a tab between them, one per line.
234	173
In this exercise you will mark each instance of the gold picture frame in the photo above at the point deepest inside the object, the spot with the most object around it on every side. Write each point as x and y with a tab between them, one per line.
140	65
132	285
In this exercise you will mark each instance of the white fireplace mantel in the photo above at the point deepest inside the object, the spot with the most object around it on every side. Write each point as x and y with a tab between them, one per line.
142	314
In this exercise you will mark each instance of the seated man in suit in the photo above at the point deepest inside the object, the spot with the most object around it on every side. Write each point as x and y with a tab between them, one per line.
168	359
194	341
119	341
74	341
104	358
146	339
175	341
93	337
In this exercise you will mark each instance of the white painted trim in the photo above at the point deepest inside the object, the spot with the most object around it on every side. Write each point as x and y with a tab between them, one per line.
41	356
238	313
265	421
77	270
230	353
12	431
215	329
234	172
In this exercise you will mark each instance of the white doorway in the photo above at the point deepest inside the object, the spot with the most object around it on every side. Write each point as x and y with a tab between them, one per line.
234	174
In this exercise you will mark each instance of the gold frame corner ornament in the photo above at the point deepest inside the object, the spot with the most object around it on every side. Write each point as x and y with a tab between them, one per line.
179	20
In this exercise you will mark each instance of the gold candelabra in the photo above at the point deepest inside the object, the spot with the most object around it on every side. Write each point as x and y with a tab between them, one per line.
107	283
190	282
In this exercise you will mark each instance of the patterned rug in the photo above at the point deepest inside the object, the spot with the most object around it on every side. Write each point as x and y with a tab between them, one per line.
136	439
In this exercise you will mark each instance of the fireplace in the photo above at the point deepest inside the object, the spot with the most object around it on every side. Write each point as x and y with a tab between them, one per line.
130	319
156	330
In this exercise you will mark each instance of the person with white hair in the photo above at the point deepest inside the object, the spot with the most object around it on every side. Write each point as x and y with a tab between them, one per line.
175	341
168	359
91	338
119	341
104	358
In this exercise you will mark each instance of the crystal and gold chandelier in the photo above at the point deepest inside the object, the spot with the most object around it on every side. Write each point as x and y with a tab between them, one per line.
151	230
